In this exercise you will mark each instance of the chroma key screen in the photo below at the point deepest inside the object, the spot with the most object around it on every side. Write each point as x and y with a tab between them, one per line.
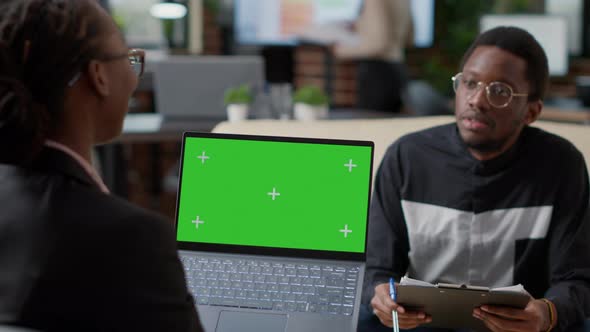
268	193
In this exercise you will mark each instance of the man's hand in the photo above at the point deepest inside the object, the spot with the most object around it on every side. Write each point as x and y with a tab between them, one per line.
383	306
534	317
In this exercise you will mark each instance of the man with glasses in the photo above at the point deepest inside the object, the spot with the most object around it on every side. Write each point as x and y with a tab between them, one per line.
486	201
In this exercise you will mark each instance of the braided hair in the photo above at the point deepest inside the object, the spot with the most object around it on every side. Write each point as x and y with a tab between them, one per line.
43	45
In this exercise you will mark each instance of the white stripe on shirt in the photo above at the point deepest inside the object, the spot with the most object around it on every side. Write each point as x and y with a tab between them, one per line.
449	245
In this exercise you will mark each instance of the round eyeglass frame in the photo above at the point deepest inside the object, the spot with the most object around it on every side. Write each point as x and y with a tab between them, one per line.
136	57
457	80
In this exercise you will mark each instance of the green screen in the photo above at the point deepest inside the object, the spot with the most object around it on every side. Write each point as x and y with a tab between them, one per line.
320	194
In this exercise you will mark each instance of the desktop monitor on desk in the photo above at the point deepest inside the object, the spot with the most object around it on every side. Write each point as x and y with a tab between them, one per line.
550	31
279	22
190	87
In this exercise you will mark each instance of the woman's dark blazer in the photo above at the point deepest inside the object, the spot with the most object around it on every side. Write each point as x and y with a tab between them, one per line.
73	258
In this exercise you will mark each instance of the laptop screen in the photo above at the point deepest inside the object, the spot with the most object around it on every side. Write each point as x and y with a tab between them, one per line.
274	192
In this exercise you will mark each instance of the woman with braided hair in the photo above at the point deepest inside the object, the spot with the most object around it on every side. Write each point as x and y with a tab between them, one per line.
72	256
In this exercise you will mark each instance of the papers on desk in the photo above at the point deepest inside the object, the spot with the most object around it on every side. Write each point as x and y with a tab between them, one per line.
142	122
510	289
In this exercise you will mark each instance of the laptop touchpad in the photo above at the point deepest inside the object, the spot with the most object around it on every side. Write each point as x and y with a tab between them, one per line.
231	321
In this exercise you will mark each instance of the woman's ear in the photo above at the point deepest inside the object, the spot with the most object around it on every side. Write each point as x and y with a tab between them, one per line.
98	78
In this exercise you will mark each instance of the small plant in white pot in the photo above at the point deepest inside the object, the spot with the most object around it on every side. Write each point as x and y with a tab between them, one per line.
311	103
237	102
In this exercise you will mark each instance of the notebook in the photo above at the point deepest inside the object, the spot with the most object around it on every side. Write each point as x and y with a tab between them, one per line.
272	230
192	87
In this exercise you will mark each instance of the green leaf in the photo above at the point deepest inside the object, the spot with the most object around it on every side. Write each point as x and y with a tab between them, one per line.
311	95
238	95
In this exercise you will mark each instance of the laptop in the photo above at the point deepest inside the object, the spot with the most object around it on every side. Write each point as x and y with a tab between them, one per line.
192	87
272	230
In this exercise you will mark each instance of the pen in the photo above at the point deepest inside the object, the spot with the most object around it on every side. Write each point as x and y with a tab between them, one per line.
393	296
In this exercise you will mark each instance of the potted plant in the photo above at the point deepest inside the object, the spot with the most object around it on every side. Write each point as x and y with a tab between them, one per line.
311	103
237	101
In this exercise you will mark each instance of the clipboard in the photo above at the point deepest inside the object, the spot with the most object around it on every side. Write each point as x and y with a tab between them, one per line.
451	305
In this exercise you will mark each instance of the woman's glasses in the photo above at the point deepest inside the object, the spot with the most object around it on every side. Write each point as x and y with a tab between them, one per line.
137	60
135	56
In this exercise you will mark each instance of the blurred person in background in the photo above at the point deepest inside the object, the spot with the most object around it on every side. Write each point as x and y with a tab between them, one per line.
384	28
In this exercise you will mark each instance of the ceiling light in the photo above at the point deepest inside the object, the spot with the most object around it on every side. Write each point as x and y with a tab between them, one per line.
168	10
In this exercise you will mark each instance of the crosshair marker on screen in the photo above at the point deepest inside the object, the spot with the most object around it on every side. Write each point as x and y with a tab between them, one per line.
203	157
198	222
350	165
274	193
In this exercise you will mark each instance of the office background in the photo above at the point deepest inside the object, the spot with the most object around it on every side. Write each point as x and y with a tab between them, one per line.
213	27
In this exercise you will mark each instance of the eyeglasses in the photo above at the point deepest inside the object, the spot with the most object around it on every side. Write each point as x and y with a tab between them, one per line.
136	60
498	94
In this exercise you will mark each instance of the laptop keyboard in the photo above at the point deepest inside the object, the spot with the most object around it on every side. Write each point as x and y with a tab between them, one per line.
271	285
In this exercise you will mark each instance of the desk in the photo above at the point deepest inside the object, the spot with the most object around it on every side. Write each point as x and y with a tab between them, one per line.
565	110
151	128
565	115
147	128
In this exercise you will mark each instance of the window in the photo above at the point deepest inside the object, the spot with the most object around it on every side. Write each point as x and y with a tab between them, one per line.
140	28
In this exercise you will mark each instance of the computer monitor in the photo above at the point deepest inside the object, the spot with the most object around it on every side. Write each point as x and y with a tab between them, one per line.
550	31
277	22
193	87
